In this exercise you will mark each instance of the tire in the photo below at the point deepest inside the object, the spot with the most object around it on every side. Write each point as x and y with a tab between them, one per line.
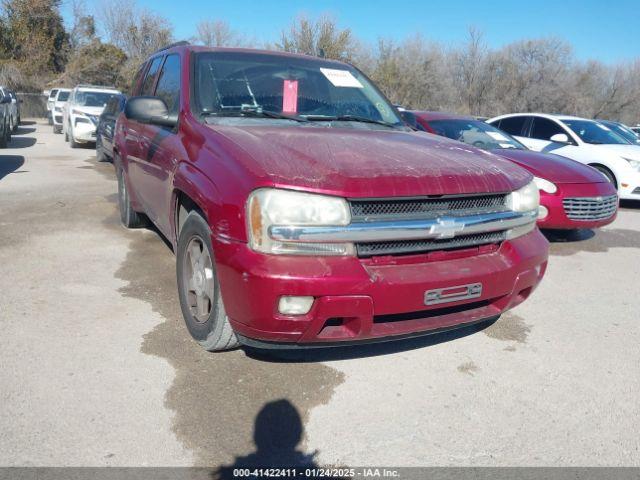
3	138
57	130
607	173
199	289
72	140
128	216
15	126
66	136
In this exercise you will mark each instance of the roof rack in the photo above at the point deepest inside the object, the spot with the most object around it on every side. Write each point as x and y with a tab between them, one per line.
87	85
181	43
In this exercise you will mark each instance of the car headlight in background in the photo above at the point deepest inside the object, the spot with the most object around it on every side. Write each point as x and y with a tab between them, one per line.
545	185
269	207
634	163
524	199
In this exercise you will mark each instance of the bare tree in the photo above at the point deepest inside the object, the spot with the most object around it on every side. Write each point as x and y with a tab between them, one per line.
136	31
321	37
217	33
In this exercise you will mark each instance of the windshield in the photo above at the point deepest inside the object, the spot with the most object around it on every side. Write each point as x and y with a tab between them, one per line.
229	83
92	99
594	132
624	131
476	133
63	96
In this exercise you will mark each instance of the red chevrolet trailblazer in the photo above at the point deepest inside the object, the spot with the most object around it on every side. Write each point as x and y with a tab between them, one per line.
304	212
572	195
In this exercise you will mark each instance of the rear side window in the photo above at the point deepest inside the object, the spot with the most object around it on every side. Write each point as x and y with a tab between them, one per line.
136	80
149	79
168	88
512	125
544	129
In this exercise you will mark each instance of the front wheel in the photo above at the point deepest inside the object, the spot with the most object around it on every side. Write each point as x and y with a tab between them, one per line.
128	216
199	289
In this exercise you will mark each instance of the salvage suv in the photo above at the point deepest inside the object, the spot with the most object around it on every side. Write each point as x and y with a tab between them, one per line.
305	213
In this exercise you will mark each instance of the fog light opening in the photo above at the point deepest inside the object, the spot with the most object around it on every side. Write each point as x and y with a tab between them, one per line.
292	305
543	212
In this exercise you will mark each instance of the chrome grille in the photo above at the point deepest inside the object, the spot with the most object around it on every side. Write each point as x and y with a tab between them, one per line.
425	207
417	246
590	208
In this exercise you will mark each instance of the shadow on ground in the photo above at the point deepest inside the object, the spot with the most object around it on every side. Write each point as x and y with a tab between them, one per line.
9	164
277	433
22	142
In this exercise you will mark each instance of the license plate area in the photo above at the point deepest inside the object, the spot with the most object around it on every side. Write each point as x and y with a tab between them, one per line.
438	296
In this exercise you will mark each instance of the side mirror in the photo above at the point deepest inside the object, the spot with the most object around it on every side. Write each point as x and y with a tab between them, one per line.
560	138
149	110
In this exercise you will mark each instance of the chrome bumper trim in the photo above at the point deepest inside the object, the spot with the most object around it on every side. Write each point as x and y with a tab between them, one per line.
437	228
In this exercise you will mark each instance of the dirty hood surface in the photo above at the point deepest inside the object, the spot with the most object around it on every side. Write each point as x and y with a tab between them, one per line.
357	162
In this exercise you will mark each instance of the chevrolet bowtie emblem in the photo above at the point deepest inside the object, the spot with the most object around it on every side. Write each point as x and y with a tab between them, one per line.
446	228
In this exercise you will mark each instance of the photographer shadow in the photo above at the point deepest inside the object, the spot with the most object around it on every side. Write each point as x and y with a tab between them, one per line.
278	431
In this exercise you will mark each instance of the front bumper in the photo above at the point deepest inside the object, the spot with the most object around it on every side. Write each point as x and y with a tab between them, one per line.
629	186
372	299
557	217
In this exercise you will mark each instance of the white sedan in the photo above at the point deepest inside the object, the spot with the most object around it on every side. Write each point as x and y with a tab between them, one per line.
580	139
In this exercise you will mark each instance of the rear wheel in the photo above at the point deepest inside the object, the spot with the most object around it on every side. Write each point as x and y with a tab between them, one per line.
199	289
607	173
128	216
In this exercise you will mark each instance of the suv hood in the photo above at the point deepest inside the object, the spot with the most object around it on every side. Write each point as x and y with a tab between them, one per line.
88	110
551	167
366	163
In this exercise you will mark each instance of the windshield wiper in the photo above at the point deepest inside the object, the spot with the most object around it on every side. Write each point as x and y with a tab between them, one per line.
254	112
349	118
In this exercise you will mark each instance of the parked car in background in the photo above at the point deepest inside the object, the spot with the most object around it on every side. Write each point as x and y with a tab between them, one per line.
81	113
580	139
304	212
58	108
572	195
50	101
106	127
13	108
622	130
5	115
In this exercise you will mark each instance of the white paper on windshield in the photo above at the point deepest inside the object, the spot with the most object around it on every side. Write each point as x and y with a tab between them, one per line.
497	136
506	145
341	78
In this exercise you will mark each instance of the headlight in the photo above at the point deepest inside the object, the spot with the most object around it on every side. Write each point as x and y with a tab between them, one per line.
525	199
634	163
545	185
269	207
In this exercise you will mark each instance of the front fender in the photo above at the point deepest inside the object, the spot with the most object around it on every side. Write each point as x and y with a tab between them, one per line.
225	216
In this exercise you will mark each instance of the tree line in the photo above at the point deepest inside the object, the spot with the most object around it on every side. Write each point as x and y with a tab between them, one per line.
107	44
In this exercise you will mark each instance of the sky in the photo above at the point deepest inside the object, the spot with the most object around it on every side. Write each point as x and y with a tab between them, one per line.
608	31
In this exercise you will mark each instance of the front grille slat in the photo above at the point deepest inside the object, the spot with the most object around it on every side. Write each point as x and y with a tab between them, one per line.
590	208
428	207
419	246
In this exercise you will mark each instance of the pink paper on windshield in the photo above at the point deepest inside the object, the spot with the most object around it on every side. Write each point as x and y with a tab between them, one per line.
290	96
